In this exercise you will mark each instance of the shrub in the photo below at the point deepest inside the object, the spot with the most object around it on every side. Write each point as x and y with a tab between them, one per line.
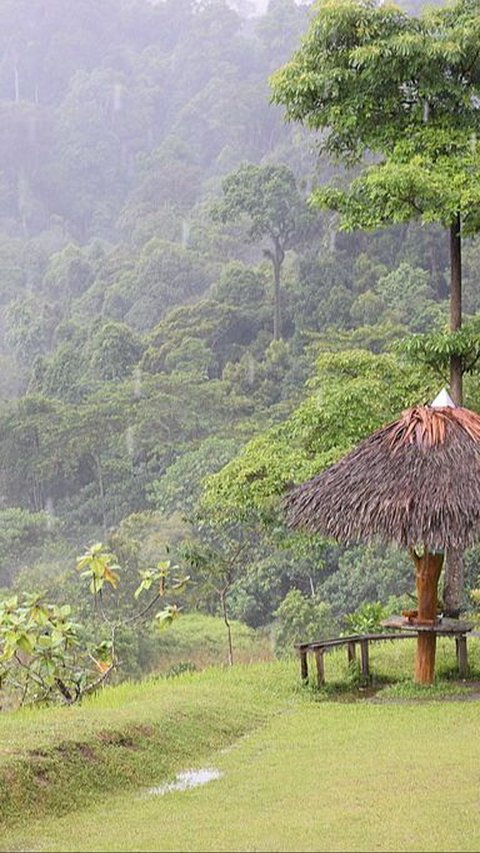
367	619
302	618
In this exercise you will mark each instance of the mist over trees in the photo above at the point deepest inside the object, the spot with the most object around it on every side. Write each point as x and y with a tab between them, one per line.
166	292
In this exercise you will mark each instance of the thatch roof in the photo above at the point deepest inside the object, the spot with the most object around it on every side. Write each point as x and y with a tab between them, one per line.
416	480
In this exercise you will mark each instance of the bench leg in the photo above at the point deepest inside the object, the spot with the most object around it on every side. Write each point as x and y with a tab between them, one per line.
320	667
303	665
462	656
351	652
364	658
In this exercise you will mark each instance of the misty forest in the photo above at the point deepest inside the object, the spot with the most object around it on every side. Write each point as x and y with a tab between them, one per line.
184	334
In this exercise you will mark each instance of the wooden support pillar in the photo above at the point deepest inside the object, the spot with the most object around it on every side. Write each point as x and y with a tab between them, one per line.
428	568
351	652
320	667
462	656
303	664
425	659
364	658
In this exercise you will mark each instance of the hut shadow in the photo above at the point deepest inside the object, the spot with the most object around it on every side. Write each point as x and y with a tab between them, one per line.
390	677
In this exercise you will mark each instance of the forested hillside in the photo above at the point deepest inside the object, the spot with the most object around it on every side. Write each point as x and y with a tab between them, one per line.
166	292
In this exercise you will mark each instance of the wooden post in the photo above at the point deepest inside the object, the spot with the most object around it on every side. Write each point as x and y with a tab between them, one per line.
303	664
320	667
462	656
428	568
364	658
351	652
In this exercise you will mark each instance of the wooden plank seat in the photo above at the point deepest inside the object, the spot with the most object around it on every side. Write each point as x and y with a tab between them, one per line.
319	647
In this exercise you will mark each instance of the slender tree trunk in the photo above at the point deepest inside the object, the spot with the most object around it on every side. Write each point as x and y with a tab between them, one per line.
456	366
277	308
277	257
101	488
453	583
454	570
223	597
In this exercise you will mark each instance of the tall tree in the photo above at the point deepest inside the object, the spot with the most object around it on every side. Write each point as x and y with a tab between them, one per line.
268	199
406	89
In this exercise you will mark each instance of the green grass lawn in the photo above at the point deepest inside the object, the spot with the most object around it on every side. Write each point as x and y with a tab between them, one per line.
301	769
325	777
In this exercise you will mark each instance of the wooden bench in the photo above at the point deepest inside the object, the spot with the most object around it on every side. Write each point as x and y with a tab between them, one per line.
319	647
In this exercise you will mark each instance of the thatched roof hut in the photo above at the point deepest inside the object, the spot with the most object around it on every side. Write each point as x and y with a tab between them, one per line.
416	480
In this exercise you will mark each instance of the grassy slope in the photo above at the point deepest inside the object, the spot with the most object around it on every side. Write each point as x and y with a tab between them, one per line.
202	640
58	759
322	776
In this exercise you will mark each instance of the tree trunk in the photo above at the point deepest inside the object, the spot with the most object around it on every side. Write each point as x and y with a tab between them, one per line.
428	569
277	308
453	584
223	598
454	566
277	257
456	366
101	488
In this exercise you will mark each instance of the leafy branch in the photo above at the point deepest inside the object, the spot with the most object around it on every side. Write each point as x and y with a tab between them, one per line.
43	653
435	349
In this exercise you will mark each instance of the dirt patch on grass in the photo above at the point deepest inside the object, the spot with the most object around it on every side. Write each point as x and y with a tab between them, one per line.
117	739
87	752
133	739
41	779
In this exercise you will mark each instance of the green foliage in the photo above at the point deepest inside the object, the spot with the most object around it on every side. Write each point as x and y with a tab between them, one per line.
180	669
31	321
367	619
22	533
435	349
409	298
39	657
99	566
69	273
138	331
268	198
352	394
163	274
405	88
365	574
352	78
202	338
46	656
115	351
302	618
434	185
181	485
240	285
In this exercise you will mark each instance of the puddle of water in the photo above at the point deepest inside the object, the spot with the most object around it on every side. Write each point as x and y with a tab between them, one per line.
186	780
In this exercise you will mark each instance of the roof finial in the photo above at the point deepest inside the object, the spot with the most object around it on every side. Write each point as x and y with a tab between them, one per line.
443	401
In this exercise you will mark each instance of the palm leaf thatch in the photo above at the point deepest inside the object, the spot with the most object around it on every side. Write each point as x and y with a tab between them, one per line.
416	480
